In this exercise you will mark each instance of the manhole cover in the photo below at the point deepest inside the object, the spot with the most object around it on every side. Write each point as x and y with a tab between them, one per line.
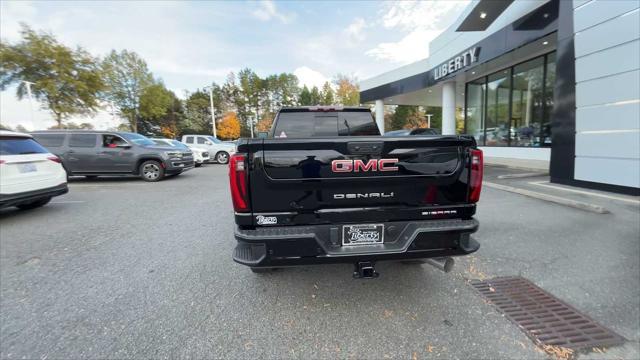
543	317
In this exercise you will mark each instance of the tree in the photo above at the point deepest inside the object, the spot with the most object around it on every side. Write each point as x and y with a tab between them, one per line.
22	129
316	98
158	111
6	127
126	76
347	90
408	117
436	118
305	96
229	126
155	101
73	126
327	94
265	122
66	82
197	113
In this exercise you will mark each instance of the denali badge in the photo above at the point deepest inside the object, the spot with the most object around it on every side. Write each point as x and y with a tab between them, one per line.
342	166
266	220
373	195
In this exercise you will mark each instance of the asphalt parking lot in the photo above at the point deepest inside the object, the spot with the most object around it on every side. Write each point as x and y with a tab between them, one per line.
120	268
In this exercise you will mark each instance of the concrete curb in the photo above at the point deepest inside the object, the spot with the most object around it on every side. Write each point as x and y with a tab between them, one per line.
550	198
522	175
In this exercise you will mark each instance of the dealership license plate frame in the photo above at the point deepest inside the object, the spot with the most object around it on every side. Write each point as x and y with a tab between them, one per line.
369	228
27	168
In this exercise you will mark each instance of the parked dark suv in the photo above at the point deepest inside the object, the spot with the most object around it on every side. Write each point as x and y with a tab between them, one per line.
94	153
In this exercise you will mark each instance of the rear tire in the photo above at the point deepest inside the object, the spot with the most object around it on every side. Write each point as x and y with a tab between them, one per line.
198	164
222	157
34	204
151	171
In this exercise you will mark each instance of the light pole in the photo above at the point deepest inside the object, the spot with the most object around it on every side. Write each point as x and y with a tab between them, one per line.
29	83
429	120
213	112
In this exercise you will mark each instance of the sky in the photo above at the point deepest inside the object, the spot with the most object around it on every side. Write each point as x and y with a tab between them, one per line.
190	44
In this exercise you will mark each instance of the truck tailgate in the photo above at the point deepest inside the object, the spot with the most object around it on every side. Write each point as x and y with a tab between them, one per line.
346	179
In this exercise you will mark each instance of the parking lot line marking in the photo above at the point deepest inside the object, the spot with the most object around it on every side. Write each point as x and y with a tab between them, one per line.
546	184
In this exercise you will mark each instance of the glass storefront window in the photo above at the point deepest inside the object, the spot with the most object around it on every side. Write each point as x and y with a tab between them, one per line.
475	110
527	98
497	123
513	107
550	83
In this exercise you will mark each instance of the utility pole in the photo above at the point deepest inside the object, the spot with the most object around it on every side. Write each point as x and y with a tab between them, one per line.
213	112
29	83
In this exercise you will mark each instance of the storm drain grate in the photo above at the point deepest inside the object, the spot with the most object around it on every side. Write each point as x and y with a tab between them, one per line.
543	317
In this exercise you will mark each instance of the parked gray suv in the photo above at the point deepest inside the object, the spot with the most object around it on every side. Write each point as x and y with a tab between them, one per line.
95	153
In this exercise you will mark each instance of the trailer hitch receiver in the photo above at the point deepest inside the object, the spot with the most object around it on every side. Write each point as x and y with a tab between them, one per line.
365	270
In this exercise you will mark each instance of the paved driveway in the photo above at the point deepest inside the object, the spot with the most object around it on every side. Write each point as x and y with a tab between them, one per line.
123	268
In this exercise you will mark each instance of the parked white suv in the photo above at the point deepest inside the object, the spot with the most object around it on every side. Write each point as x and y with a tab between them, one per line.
218	150
29	174
200	155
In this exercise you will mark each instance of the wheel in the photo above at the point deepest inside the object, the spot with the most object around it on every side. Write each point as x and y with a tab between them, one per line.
222	157
34	204
198	164
151	170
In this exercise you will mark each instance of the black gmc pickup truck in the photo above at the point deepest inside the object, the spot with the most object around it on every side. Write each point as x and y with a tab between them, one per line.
324	187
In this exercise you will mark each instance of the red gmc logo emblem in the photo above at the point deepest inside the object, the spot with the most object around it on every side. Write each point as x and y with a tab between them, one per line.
344	166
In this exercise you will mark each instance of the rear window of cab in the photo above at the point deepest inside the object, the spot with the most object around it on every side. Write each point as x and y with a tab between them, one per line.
17	145
305	124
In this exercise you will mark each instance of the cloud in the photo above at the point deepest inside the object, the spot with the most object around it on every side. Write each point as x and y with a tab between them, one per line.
355	30
419	22
412	47
16	10
267	10
310	77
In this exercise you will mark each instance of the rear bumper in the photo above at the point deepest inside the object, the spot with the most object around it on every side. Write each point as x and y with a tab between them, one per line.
7	200
322	244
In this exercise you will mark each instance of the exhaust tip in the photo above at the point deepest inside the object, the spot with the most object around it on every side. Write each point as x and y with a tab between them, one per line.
444	264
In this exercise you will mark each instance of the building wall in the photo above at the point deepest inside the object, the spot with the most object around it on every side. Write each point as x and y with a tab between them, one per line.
607	71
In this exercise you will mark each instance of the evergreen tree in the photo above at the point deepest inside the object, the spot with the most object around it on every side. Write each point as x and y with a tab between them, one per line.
305	96
327	94
316	98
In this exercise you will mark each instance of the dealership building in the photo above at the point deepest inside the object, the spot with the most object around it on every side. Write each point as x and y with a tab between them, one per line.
552	83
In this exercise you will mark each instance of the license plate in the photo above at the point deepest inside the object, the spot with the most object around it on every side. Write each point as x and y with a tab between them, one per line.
366	234
27	168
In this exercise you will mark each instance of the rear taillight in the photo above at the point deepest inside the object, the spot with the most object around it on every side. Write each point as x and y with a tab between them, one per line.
238	182
475	180
54	159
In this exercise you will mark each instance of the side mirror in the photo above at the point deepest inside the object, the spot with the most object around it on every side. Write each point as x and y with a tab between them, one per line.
263	135
208	143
